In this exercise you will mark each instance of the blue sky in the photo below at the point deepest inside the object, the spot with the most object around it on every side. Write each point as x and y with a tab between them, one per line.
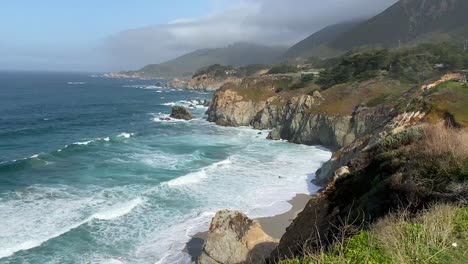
111	35
80	21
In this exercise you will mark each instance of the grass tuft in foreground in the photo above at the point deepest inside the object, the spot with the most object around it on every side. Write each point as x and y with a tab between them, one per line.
438	235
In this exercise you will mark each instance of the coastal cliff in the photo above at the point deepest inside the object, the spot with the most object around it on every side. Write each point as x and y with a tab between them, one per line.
203	83
399	144
382	132
315	118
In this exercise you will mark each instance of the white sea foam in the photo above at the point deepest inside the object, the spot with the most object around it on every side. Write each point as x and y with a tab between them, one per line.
125	135
195	177
195	104
83	143
76	83
118	210
165	118
52	218
258	178
144	87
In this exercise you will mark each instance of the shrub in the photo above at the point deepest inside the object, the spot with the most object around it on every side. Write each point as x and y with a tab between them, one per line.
283	69
424	239
445	152
401	238
414	65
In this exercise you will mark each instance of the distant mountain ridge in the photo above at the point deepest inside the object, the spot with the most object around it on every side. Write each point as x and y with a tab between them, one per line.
310	45
238	54
407	22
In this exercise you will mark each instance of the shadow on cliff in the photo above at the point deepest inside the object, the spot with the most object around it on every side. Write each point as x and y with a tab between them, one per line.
260	253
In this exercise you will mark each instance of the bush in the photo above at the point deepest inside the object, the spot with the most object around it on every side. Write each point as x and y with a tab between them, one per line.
280	69
445	152
414	65
400	238
427	238
217	70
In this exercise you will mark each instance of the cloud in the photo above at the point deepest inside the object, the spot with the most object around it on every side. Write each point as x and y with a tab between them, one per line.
272	22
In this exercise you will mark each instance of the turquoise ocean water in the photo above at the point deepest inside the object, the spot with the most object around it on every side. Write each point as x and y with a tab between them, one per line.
89	173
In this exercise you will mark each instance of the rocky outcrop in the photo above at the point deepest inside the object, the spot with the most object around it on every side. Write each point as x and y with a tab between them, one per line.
447	77
179	112
233	238
307	119
203	83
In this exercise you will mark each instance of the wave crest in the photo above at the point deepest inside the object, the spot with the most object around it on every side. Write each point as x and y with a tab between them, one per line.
195	177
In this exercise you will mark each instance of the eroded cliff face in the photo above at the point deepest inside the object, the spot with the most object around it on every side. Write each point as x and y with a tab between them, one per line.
203	83
300	118
377	130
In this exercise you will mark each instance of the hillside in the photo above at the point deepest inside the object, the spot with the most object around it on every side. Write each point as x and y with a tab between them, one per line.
239	54
409	21
406	23
398	129
311	46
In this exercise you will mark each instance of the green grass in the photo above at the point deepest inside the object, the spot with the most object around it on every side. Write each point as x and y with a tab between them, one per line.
450	97
342	99
377	100
439	235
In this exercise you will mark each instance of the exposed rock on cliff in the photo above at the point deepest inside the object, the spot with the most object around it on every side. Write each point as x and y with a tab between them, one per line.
409	170
204	83
233	238
338	118
179	112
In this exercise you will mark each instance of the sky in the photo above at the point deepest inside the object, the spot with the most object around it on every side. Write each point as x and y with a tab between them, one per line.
114	35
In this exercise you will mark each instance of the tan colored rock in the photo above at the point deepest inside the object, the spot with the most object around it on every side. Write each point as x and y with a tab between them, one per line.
343	171
318	95
447	77
233	238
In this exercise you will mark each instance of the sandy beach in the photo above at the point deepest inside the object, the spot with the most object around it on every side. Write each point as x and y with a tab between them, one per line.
275	226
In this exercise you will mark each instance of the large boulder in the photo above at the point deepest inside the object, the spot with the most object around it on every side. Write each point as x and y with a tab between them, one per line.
233	238
179	112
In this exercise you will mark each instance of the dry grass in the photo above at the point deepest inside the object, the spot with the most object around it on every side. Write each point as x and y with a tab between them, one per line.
443	152
440	140
420	240
402	239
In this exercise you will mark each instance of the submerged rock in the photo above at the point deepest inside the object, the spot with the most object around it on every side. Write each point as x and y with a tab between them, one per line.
179	112
234	238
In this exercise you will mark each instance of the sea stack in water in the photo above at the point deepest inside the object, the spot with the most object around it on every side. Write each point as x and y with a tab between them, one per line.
234	238
179	112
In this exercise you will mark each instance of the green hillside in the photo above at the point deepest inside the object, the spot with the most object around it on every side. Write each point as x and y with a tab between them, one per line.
239	54
312	45
406	23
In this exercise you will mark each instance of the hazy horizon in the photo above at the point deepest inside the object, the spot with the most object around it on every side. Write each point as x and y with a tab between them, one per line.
90	36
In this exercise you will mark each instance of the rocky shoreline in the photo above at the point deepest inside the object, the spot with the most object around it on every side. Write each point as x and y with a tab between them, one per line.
358	125
275	226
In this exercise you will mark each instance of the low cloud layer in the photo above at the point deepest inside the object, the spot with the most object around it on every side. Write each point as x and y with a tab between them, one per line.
271	22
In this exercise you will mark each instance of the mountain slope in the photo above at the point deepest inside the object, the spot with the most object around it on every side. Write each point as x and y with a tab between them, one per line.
310	46
405	23
408	22
239	54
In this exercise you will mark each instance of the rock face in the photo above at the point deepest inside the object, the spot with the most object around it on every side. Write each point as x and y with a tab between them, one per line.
293	118
203	83
179	112
233	238
299	118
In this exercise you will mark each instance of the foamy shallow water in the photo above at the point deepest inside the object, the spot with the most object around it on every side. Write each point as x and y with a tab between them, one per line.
119	185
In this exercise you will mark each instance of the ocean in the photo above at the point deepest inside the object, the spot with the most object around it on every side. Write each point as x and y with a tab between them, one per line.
89	173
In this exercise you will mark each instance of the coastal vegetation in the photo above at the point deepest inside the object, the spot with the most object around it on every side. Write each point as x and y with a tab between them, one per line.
413	65
284	68
436	235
